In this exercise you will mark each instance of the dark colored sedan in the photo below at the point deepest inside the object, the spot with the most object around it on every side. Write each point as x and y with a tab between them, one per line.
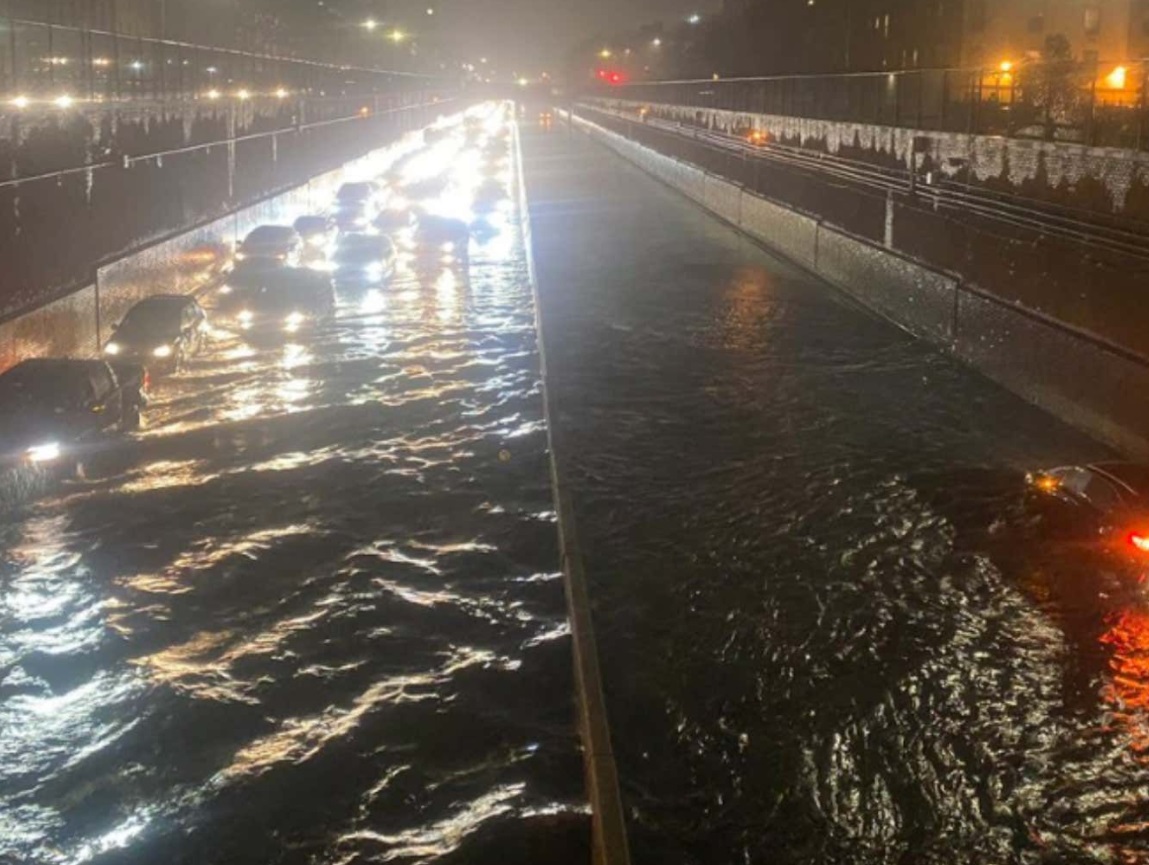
161	332
363	259
1105	505
285	303
274	245
318	236
54	410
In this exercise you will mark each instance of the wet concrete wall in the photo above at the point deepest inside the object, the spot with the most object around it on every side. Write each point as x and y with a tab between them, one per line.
66	328
186	263
1066	371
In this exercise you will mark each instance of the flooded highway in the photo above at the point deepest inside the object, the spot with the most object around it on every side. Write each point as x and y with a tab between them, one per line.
827	635
313	612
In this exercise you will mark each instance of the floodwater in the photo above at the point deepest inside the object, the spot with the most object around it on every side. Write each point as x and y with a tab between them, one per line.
313	613
826	635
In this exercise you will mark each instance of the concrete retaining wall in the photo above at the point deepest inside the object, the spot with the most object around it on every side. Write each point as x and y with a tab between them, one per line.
1071	374
66	328
919	299
792	234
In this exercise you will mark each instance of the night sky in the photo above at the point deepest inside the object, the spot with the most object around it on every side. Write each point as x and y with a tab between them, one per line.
526	36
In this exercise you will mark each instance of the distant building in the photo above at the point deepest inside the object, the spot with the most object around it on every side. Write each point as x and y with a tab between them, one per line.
810	36
1104	32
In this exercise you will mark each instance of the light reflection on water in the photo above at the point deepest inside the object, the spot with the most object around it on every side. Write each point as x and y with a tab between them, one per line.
309	597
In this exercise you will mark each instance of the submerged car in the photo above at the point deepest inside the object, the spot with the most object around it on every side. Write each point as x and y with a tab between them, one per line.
363	259
275	245
448	231
51	409
1105	505
284	303
318	234
160	332
356	206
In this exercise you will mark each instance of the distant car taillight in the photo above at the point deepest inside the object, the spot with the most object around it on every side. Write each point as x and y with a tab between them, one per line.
147	383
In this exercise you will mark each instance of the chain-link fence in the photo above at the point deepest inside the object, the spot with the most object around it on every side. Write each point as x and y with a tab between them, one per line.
48	62
1095	104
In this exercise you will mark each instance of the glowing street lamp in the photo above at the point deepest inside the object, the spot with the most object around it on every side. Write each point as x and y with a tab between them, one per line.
694	19
606	54
656	42
213	94
21	102
243	95
64	101
396	36
370	24
281	93
1116	78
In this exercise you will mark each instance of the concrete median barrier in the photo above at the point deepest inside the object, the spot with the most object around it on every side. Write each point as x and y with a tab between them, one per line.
919	299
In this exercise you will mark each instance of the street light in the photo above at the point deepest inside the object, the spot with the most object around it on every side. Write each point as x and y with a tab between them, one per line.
694	19
370	24
605	54
21	102
656	42
396	36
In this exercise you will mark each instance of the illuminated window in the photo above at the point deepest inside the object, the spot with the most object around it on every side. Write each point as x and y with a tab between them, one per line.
1092	21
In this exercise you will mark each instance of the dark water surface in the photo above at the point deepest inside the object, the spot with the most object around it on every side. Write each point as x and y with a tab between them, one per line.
313	613
824	638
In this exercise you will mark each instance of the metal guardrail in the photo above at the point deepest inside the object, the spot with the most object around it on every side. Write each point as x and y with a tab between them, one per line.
1095	104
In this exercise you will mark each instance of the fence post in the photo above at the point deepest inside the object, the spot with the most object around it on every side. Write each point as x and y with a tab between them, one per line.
51	59
1091	138
12	50
921	96
1141	109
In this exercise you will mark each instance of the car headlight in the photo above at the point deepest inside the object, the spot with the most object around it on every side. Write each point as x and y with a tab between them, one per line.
225	289
162	351
245	316
112	348
44	453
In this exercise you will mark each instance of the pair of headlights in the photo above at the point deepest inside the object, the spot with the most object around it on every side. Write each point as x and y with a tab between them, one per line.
160	351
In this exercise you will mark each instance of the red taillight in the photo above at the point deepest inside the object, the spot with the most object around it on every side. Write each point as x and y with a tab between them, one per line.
147	383
1141	542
